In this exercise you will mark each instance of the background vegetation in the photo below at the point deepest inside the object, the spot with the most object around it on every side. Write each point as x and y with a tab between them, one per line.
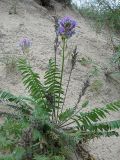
105	14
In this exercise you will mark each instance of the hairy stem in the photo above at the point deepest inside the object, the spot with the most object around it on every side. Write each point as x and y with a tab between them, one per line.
55	50
62	70
67	89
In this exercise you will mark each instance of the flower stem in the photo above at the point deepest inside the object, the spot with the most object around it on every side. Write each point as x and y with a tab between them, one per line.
66	89
62	70
55	51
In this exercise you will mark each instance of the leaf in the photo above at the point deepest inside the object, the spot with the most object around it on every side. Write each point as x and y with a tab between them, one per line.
94	71
6	157
32	83
5	143
85	104
58	158
40	113
54	91
98	114
103	126
66	114
36	135
18	153
18	103
96	86
38	157
80	135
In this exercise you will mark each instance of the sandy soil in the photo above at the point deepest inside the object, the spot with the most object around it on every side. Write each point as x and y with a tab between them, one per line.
36	23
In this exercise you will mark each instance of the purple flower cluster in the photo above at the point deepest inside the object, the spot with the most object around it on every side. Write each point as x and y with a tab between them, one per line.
25	44
66	27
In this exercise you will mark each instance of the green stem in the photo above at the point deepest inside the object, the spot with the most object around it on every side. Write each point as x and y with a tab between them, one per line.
62	70
55	51
64	125
66	89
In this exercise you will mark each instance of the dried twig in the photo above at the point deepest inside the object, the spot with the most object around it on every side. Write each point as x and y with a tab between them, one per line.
73	62
82	93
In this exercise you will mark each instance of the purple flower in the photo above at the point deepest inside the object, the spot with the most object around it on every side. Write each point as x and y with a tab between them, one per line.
66	27
25	44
